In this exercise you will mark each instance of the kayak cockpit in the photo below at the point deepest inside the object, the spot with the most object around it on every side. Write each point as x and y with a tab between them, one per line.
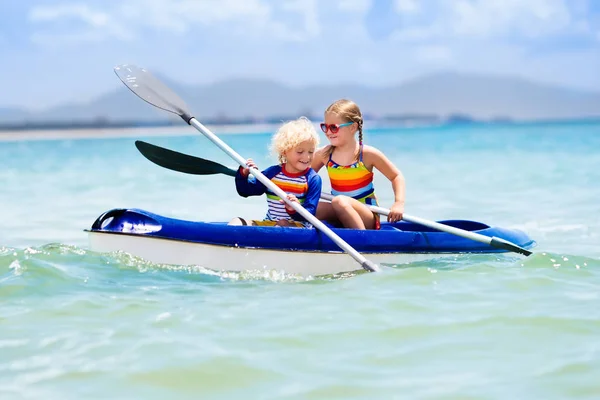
456	223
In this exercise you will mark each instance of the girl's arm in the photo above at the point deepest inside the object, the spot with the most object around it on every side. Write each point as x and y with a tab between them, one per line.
377	159
318	159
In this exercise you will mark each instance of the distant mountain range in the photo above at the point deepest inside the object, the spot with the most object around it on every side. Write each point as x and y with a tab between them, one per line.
438	95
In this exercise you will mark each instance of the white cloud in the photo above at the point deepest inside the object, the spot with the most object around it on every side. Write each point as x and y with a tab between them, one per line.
98	25
76	11
179	16
354	6
417	34
369	66
55	39
435	53
309	12
406	6
125	19
300	20
489	17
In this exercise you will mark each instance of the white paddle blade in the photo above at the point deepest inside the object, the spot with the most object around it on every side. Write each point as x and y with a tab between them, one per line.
150	89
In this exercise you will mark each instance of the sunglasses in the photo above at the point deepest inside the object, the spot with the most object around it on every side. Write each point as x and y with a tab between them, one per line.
333	128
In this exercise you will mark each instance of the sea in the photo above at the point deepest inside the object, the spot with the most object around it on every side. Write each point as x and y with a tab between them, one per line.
76	324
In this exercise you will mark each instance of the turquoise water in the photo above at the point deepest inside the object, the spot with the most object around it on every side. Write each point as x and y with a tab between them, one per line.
77	324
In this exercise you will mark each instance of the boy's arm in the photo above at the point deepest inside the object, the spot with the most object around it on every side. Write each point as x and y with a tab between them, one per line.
251	187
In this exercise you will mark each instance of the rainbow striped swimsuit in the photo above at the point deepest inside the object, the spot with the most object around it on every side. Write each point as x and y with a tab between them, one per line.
353	180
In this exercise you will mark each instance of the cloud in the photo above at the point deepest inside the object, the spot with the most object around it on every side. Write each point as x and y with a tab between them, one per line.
127	20
75	11
368	66
308	11
382	19
490	19
180	16
406	6
354	6
434	53
84	25
416	21
417	34
530	18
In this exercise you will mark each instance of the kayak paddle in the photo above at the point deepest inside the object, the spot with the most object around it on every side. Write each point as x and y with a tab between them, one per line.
492	241
181	162
199	166
144	85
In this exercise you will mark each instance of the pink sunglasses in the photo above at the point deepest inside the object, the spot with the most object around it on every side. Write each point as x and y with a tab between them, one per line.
333	128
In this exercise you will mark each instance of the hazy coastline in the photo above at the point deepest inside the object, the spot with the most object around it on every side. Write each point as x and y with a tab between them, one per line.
99	133
45	133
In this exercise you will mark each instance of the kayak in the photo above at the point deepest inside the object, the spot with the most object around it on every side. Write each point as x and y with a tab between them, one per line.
322	250
298	251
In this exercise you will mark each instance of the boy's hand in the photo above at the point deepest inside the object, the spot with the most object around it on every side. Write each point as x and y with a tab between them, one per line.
249	164
289	209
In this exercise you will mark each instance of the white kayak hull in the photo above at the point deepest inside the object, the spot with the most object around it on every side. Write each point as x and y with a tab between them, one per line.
235	259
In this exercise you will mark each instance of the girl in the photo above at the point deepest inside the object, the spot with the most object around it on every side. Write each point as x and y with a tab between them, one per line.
350	169
294	143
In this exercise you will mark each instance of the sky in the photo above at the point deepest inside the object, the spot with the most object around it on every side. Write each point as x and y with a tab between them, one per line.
63	51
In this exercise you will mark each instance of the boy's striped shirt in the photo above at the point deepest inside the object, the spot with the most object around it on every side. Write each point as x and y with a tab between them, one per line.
306	186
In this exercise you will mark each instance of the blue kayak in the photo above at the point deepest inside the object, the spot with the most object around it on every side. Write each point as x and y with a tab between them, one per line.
216	245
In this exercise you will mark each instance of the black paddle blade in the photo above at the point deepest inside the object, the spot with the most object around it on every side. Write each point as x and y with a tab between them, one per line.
148	88
506	245
180	162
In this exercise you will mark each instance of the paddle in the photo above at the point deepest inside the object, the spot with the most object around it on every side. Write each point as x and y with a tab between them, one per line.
199	166
490	240
148	88
181	162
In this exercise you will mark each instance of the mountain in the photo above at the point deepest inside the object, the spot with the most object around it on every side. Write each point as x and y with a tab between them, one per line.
13	114
443	94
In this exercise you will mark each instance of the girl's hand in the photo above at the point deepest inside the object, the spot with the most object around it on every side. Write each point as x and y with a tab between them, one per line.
396	212
293	198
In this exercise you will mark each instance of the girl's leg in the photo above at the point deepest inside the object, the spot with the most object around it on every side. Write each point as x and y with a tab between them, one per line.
325	212
352	213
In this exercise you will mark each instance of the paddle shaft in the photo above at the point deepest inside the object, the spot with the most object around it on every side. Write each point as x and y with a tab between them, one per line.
366	264
492	241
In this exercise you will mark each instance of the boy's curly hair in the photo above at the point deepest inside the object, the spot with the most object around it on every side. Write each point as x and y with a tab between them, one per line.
291	134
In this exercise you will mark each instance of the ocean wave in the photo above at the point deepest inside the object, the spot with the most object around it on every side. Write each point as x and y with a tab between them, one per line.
57	263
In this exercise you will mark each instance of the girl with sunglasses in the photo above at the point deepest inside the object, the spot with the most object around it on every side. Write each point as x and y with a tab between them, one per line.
350	169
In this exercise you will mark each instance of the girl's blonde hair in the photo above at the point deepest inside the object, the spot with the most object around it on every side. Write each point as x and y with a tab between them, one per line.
348	111
291	134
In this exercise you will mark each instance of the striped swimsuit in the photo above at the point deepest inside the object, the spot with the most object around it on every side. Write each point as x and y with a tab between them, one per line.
355	181
306	186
